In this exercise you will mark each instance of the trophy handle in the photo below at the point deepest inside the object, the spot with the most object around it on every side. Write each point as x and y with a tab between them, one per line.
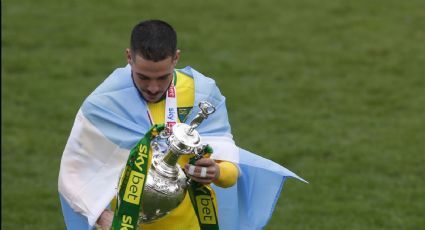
206	107
206	110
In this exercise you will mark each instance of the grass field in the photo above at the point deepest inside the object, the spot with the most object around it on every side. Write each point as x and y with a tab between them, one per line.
333	90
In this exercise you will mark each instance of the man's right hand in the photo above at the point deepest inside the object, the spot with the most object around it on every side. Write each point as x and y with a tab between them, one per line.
105	219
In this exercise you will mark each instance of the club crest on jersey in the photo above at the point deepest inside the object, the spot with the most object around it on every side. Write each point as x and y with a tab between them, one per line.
183	112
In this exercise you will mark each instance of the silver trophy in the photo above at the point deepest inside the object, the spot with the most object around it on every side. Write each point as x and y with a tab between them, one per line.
166	183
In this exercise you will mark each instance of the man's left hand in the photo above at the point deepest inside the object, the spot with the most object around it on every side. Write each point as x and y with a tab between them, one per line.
204	171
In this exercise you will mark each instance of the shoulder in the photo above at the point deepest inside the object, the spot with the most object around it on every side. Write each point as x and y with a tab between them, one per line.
205	87
184	80
115	94
119	82
197	76
119	79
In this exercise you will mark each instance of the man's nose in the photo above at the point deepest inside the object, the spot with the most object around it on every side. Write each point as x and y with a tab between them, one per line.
154	88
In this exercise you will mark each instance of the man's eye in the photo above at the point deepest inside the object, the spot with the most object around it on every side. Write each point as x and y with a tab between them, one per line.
143	78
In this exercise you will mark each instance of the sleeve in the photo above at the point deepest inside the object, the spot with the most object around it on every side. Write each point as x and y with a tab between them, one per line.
229	174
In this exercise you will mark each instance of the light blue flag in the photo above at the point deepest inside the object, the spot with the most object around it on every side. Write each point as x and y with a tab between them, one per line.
114	118
249	204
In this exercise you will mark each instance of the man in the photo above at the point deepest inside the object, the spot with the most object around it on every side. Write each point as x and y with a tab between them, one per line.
123	108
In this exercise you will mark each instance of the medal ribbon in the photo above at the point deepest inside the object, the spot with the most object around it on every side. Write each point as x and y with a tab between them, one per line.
170	106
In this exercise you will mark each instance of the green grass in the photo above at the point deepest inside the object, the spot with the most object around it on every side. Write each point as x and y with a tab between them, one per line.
333	90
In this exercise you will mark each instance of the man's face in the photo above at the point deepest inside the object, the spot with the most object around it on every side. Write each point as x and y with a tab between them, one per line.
152	78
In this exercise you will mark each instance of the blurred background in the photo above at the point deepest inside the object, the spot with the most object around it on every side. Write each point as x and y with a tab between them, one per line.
333	90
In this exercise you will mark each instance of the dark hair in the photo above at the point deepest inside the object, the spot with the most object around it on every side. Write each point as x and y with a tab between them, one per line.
154	40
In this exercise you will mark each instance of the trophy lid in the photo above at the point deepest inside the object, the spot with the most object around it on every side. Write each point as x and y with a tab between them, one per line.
182	134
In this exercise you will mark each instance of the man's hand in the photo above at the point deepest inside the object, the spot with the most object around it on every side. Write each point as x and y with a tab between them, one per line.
205	171
105	219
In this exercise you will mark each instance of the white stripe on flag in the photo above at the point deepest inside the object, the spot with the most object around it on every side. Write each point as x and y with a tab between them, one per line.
90	169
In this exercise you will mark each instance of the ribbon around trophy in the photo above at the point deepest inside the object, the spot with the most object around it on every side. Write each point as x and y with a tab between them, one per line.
132	182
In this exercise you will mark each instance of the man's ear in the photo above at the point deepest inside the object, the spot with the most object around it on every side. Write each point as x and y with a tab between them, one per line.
176	57
128	54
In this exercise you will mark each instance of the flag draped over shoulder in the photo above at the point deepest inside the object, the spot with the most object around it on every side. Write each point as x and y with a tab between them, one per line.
249	204
114	118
